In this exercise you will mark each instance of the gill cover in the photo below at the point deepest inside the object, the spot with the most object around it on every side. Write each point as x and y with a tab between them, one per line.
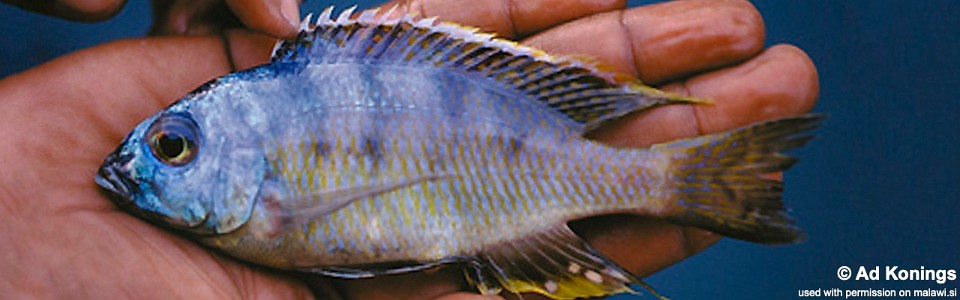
228	166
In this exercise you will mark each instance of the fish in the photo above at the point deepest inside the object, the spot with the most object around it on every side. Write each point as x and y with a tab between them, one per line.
383	143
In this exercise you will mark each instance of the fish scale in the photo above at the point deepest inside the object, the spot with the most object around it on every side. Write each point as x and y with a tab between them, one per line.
465	160
382	144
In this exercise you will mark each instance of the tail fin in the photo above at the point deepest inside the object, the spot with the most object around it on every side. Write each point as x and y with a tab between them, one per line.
718	183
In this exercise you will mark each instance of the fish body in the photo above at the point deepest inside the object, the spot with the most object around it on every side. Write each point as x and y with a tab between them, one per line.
377	145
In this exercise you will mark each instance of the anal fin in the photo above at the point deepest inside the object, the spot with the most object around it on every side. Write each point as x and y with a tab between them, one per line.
556	263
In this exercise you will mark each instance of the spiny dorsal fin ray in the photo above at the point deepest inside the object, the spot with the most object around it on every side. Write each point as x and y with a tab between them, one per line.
581	90
556	263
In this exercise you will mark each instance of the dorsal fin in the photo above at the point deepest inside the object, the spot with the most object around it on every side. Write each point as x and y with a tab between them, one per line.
579	89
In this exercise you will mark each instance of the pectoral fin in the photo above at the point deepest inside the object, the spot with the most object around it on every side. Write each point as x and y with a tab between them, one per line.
556	263
289	209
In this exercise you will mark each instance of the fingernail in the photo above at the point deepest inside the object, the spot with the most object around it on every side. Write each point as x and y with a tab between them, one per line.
290	10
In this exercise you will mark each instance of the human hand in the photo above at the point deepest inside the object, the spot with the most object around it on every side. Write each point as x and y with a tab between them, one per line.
61	237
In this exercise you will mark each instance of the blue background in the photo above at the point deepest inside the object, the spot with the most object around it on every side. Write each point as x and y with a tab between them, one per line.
879	187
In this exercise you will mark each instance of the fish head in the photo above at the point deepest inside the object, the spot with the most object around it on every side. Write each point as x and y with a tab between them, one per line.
189	167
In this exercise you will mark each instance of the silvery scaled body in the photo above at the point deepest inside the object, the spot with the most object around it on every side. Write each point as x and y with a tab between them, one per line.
376	145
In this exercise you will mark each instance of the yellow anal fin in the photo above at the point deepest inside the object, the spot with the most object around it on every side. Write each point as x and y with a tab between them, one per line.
556	263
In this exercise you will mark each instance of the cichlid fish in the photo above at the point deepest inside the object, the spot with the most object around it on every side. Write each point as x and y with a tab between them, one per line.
375	145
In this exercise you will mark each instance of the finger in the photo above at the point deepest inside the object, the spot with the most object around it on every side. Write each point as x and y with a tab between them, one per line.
247	49
507	18
781	81
280	18
77	10
663	41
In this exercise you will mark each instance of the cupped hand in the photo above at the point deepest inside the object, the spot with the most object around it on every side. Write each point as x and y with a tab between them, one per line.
61	237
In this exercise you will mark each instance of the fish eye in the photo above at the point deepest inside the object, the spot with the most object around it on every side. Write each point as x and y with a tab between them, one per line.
173	139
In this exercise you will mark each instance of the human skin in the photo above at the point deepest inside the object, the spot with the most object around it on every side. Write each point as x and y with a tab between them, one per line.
60	237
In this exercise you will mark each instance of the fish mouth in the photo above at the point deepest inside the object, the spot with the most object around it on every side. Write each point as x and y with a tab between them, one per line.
114	179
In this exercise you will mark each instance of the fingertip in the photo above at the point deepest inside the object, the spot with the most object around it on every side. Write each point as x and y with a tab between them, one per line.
753	31
805	70
248	49
279	18
290	11
781	81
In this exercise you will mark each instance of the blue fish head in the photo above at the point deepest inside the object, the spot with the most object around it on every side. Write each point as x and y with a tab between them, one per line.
169	171
159	153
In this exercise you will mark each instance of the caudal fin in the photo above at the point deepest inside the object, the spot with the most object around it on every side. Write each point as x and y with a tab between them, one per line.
718	181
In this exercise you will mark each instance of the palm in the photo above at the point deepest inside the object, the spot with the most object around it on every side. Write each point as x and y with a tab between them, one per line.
61	236
68	239
116	248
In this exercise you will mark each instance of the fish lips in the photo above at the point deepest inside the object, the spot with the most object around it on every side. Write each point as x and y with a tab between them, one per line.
113	178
